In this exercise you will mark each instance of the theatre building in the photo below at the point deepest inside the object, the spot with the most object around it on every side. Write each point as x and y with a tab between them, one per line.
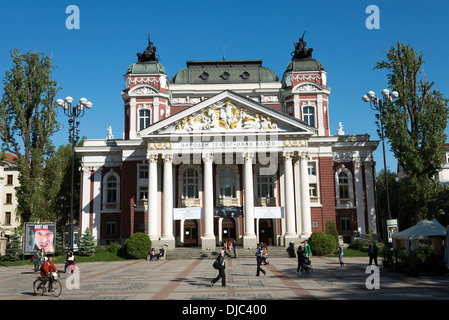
227	150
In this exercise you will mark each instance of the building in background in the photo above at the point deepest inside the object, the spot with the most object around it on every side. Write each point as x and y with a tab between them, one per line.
9	180
227	150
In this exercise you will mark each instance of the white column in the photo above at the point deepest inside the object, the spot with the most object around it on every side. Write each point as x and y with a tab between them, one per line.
305	199
359	198
289	191
167	227
208	238
152	196
370	199
249	237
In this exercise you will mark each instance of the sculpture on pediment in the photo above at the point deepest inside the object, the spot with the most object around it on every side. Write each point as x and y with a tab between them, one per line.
340	131
225	117
301	51
149	55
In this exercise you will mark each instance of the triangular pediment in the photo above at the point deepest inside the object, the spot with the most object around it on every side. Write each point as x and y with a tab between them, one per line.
227	112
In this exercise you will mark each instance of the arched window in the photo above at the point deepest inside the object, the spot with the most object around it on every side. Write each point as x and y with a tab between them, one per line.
343	185
190	184
227	183
144	119
111	189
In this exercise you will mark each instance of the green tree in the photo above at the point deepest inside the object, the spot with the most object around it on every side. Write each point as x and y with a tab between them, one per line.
87	244
414	125
14	249
27	123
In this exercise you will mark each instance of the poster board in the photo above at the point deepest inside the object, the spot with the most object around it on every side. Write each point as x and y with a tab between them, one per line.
39	236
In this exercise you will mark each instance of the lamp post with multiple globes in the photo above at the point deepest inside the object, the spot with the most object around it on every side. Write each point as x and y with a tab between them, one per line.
73	112
378	104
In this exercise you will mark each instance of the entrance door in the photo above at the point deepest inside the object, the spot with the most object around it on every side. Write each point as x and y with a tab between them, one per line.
228	226
266	231
190	233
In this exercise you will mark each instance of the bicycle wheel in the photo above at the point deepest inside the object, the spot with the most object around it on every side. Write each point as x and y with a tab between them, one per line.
56	289
38	287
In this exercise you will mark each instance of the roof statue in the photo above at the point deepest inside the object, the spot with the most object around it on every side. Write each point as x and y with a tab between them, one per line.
149	55
301	52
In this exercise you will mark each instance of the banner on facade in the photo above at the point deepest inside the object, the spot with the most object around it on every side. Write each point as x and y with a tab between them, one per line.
269	212
187	213
39	236
228	212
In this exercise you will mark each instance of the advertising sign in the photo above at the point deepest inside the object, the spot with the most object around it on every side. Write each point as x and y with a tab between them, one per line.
228	212
269	212
187	213
39	236
392	228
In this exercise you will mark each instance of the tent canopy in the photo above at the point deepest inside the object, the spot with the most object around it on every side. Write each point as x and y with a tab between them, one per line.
422	231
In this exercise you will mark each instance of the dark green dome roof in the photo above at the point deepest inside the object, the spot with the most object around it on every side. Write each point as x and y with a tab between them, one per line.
151	67
224	71
306	64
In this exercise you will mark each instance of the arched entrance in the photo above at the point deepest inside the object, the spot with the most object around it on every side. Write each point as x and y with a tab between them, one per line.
266	231
190	233
228	229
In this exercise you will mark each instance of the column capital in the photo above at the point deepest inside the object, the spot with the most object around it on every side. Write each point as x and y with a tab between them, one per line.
167	157
152	157
288	155
208	157
249	156
303	155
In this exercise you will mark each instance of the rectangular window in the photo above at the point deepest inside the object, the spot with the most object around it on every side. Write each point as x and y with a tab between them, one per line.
143	193
311	168
143	172
7	218
309	116
345	223
313	192
9	198
10	179
110	226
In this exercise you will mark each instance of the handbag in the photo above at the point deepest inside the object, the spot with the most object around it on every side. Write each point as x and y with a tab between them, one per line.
216	264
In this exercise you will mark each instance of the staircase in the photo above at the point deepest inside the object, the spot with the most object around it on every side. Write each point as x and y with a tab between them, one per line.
183	253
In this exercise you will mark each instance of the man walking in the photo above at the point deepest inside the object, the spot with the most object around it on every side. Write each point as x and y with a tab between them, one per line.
372	253
259	260
220	262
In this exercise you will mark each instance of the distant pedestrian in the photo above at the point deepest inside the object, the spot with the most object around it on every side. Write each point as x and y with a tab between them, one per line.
37	260
307	249
372	253
69	261
220	265
264	254
340	254
301	259
259	260
234	246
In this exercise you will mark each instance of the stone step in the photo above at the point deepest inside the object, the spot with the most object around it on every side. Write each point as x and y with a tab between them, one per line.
198	253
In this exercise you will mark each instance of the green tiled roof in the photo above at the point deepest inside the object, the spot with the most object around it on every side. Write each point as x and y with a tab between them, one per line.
145	68
224	71
306	64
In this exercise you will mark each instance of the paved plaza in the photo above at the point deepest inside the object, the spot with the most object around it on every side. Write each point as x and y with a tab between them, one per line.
190	280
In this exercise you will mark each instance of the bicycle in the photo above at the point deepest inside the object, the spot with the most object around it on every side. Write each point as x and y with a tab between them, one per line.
42	285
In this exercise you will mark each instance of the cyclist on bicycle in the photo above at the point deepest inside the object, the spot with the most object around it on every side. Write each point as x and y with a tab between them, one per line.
46	270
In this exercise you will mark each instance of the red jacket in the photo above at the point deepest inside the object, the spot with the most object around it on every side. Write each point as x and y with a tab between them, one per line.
47	267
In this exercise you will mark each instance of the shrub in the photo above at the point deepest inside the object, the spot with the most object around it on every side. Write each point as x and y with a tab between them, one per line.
321	243
331	228
138	245
113	247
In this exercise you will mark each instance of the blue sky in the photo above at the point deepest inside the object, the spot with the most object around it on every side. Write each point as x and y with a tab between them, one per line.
91	61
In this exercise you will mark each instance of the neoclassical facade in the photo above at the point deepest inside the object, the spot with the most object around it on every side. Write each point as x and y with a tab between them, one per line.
225	150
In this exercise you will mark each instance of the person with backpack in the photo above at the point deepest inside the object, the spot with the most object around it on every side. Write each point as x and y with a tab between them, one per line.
219	264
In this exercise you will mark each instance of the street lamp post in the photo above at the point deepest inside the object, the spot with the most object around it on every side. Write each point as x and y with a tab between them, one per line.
73	112
378	104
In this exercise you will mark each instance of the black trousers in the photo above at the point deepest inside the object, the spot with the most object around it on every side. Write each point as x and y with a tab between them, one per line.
222	276
259	269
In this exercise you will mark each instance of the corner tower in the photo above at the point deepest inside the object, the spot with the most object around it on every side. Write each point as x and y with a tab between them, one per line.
304	93
146	95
